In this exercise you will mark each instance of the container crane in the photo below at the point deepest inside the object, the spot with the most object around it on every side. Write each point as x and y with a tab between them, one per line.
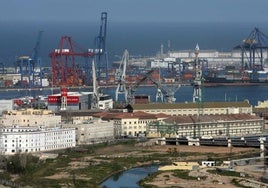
252	50
120	77
100	47
36	60
29	65
65	70
35	54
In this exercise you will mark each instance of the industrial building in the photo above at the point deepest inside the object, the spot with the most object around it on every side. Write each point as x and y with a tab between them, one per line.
207	126
191	108
73	101
214	57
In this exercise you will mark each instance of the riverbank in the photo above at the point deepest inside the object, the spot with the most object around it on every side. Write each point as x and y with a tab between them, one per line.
90	168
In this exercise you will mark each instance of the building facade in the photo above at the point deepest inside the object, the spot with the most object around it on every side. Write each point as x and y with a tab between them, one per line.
93	131
35	139
190	108
131	124
29	118
207	125
214	57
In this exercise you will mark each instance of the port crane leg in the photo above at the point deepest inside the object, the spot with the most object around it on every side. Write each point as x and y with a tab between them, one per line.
120	77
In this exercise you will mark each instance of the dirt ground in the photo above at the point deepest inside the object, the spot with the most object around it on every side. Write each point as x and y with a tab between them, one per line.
204	180
166	179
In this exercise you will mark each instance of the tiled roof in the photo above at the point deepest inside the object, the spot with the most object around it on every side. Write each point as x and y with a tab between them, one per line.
209	118
189	105
123	115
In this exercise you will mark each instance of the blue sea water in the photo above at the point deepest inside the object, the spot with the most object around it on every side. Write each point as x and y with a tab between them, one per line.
252	93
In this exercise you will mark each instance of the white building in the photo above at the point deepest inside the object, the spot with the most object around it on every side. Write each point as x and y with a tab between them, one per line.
213	56
162	63
105	102
94	131
35	139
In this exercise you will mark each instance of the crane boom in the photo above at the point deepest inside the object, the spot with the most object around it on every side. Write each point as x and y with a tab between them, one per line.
165	93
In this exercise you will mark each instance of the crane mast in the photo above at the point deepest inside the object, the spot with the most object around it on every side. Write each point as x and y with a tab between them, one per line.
121	75
100	47
197	95
35	53
95	94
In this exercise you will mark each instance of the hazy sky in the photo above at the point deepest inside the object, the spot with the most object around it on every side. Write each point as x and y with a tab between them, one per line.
135	10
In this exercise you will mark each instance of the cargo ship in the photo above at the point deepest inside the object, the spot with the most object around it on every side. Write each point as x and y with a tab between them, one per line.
231	75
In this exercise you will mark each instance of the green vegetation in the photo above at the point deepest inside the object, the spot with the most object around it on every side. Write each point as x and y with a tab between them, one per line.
226	172
98	164
184	174
144	182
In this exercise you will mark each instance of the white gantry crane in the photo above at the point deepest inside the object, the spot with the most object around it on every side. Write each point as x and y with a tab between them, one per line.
165	92
95	93
120	77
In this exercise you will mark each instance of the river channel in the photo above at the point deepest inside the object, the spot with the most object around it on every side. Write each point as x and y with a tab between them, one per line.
128	178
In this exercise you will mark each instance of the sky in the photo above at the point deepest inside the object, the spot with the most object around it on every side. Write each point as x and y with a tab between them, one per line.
135	10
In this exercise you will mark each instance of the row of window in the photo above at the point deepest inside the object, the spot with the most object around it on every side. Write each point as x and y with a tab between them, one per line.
38	149
221	132
134	127
139	122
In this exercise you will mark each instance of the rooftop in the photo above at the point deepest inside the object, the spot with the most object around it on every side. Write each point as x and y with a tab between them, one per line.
189	105
210	118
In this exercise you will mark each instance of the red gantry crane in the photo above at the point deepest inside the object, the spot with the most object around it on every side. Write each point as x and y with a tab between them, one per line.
65	69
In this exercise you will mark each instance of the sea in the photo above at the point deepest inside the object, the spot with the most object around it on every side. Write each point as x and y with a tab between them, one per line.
141	40
252	93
